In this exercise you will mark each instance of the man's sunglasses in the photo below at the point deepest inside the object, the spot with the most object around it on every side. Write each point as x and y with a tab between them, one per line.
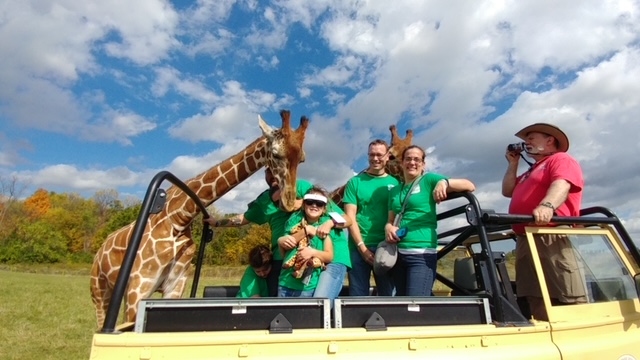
317	203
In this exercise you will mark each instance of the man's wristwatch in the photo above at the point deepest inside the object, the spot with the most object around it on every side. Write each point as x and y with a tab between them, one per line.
549	205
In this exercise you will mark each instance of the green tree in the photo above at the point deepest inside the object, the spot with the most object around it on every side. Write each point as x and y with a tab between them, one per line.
26	245
116	221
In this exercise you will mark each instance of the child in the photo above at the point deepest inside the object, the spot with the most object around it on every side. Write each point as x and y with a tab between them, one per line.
254	280
293	282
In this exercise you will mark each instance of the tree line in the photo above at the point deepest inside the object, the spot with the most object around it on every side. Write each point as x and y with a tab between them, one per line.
49	227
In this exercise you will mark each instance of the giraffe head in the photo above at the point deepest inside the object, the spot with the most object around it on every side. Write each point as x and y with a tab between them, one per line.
394	166
284	152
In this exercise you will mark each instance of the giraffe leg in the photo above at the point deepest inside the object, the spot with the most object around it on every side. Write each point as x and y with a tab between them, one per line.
100	294
176	281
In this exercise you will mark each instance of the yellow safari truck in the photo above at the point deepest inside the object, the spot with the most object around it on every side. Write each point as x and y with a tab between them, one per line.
478	316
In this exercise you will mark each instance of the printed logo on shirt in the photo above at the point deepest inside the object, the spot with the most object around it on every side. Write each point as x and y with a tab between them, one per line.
390	186
415	190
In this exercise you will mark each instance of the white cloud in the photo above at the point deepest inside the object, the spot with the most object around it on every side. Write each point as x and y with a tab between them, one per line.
465	76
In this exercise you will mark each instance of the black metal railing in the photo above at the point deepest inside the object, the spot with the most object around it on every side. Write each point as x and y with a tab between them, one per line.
153	203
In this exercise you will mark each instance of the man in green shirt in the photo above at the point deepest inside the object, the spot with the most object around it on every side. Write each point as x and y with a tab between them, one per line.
366	202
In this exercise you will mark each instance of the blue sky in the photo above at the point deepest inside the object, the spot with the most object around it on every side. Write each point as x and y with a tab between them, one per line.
101	95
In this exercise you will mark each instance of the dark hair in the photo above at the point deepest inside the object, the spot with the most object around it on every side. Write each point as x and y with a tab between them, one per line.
414	147
260	256
379	142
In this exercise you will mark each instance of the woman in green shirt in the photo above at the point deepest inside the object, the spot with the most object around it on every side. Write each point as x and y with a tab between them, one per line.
415	269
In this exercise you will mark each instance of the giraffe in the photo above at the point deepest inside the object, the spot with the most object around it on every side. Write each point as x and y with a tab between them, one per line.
393	166
166	249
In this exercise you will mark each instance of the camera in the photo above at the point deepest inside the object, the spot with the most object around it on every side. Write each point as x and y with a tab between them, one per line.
517	147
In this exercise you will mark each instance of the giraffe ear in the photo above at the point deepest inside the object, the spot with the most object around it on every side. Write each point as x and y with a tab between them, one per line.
267	130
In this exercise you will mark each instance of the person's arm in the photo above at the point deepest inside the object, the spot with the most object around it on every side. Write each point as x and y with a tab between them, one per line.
511	175
556	196
354	231
445	186
390	229
325	255
237	220
288	242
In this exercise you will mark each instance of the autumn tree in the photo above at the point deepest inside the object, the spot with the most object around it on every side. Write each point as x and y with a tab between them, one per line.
38	204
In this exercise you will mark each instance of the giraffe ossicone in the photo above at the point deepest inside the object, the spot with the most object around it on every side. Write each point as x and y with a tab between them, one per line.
166	249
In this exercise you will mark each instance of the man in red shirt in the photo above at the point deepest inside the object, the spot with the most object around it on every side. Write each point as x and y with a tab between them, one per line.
553	184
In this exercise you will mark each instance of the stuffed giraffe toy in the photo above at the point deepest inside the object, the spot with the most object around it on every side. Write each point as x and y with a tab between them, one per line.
298	263
394	165
166	249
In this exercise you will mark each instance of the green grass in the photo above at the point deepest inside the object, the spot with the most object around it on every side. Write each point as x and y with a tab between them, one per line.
46	311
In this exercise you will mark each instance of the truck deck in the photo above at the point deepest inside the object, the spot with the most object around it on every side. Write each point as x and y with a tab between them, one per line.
480	315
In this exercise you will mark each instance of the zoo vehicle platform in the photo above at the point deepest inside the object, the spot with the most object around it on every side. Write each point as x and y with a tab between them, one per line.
481	317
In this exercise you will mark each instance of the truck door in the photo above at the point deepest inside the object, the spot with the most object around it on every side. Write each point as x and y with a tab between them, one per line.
608	325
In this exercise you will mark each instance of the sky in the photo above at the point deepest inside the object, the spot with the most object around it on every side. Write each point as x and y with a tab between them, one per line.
98	95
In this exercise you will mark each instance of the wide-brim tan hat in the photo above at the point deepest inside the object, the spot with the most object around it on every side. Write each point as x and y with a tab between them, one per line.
548	129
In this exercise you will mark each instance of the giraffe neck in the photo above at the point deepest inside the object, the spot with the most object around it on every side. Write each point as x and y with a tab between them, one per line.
214	183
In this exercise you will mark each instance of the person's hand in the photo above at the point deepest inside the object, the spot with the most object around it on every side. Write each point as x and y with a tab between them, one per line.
440	191
323	230
287	242
390	234
367	255
512	157
542	215
306	252
310	230
210	220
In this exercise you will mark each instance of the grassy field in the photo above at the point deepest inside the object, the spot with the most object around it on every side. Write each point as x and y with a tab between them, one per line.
46	311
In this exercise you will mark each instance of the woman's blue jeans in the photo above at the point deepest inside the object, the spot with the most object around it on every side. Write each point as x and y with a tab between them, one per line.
414	274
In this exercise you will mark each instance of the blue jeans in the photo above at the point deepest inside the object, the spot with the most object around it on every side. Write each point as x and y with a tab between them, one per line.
286	292
330	281
360	274
414	274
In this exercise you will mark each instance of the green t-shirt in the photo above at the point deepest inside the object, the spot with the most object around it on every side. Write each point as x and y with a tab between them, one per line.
371	195
255	210
252	284
265	210
420	213
286	275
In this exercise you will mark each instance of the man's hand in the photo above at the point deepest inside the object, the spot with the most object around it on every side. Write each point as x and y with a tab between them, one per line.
542	215
512	157
287	242
210	220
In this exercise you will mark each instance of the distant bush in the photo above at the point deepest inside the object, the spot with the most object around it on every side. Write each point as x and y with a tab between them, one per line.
26	245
